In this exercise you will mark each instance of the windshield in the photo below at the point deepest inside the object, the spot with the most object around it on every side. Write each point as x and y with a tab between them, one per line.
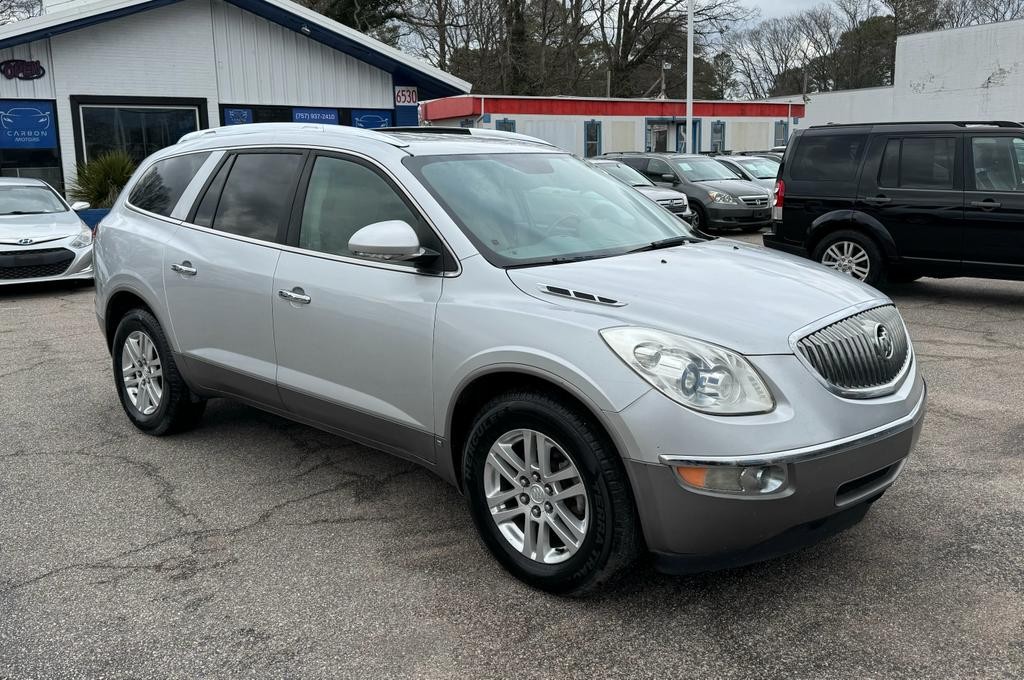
761	168
702	169
29	200
523	209
624	173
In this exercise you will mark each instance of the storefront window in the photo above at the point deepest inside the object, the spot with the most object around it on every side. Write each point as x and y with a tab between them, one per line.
136	130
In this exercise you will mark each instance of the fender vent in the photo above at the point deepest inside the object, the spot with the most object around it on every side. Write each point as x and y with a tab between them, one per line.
580	295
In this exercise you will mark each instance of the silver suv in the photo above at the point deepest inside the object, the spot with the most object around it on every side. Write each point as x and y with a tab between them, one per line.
597	378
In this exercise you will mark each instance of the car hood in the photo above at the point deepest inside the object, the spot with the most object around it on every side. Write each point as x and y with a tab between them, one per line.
726	292
735	187
46	227
660	193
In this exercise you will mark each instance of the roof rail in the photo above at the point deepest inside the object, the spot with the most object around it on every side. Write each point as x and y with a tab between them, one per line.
255	128
957	123
473	132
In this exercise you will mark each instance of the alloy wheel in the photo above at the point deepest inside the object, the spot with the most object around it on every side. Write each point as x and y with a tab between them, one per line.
142	372
536	496
848	257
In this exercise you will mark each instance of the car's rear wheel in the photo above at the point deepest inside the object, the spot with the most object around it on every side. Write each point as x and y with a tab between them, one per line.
548	494
851	253
152	392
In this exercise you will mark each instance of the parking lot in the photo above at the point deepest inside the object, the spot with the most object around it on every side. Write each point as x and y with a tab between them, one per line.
253	546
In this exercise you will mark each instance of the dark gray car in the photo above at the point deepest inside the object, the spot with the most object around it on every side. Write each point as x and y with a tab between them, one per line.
718	200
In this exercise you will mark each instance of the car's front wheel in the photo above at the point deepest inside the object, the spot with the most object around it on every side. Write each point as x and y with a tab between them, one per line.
152	392
548	494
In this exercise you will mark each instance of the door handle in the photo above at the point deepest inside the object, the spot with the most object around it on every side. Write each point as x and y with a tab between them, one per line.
185	268
296	295
987	204
877	200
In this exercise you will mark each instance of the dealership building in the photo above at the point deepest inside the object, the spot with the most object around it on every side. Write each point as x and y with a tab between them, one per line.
89	77
589	126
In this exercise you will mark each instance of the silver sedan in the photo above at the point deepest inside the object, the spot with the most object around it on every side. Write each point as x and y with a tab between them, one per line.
42	238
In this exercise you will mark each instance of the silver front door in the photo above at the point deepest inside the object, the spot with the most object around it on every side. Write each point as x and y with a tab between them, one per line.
354	346
355	336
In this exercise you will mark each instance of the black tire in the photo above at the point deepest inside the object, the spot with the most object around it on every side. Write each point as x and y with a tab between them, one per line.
700	216
612	541
876	263
178	409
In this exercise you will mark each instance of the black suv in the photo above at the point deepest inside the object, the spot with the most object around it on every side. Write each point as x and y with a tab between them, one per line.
902	200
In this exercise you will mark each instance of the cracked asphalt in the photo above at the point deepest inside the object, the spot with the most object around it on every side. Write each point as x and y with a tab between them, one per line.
255	547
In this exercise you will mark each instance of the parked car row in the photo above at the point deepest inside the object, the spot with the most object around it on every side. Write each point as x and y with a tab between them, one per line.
599	378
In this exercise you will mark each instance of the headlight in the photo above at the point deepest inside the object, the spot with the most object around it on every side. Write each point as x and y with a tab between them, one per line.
698	375
83	239
719	197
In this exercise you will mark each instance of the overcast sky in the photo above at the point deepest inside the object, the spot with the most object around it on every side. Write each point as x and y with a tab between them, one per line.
775	8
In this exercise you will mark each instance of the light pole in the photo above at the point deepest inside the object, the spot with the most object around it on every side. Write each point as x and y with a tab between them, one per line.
688	135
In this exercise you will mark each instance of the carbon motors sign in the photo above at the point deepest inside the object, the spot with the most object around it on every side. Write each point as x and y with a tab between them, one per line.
27	124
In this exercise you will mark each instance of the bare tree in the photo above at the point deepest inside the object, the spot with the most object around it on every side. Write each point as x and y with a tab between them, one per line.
15	10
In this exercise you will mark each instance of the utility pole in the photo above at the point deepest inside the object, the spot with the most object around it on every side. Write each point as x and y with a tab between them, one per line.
689	77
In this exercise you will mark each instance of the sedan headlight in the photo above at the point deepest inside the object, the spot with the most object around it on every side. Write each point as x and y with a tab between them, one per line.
83	239
698	375
721	197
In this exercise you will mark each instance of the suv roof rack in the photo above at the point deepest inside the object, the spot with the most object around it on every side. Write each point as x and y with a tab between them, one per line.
956	123
255	128
472	132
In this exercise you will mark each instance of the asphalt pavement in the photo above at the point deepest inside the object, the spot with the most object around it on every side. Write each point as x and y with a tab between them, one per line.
256	547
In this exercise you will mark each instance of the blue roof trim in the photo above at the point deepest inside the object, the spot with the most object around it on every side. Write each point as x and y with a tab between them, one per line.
429	87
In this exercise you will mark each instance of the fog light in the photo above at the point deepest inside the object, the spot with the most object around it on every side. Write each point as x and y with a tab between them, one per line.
752	480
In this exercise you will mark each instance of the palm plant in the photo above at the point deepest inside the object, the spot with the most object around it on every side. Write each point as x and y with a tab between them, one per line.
101	179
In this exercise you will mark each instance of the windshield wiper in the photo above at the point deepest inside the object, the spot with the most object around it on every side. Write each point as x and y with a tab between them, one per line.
25	212
666	243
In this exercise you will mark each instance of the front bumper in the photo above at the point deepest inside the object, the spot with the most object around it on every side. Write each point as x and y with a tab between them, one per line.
52	261
737	217
828	488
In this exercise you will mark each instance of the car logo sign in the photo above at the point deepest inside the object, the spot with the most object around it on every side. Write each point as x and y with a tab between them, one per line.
26	242
884	346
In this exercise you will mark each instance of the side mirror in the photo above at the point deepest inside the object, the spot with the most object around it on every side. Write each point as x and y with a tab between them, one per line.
79	206
388	240
668	177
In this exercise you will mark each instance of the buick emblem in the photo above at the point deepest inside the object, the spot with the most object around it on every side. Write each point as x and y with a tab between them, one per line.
25	242
884	346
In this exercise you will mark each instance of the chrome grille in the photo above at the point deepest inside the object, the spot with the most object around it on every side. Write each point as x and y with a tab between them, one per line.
863	355
755	201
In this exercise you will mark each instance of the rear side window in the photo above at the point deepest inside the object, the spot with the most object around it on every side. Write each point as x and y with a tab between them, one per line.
163	184
254	197
919	163
829	158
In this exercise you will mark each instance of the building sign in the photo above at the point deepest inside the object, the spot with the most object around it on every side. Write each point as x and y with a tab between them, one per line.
406	95
237	116
371	118
27	125
325	116
22	69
